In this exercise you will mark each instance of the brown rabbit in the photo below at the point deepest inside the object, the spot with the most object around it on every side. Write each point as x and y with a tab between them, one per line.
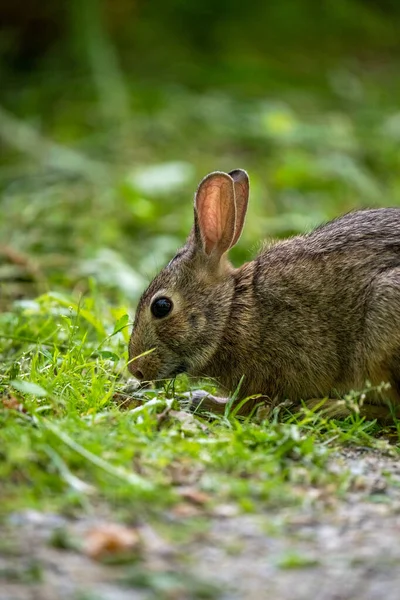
313	316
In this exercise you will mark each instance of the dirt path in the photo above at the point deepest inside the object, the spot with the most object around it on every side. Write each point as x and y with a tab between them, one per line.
332	549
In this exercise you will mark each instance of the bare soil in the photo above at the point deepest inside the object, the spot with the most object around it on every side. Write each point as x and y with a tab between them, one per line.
333	548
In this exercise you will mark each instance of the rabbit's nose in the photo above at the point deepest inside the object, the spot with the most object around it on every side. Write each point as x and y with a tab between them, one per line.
138	374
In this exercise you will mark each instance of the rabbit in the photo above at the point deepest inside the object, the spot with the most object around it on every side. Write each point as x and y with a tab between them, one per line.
313	316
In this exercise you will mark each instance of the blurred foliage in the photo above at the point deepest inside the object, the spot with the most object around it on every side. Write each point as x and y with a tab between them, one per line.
111	112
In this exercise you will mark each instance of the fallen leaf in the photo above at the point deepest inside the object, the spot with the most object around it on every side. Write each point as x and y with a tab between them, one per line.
12	403
109	539
186	511
194	496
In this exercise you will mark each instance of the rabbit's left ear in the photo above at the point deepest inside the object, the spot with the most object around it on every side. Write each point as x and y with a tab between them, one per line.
215	214
242	187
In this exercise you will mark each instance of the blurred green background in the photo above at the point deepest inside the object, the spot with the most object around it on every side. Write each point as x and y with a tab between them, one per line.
111	111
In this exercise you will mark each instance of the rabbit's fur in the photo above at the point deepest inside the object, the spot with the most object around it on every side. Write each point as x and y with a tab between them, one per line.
313	316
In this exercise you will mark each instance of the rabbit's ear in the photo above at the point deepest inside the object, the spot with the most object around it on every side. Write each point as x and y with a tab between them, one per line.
242	186
215	214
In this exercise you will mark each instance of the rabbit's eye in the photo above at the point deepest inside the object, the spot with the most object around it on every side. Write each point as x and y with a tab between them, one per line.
161	307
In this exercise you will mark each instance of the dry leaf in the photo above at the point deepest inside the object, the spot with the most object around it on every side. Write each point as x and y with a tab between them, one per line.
12	403
110	538
194	496
186	511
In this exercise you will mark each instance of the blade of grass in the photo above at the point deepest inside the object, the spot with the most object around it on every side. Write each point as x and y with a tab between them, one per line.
232	399
118	472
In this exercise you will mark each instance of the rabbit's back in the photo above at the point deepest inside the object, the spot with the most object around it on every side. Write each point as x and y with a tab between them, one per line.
375	229
328	306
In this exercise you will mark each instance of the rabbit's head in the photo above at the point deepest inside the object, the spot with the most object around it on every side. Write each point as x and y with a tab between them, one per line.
183	313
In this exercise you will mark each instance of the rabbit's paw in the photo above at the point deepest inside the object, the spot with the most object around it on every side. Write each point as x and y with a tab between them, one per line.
202	401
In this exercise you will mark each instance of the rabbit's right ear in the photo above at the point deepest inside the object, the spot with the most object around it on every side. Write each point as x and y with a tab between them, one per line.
215	214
